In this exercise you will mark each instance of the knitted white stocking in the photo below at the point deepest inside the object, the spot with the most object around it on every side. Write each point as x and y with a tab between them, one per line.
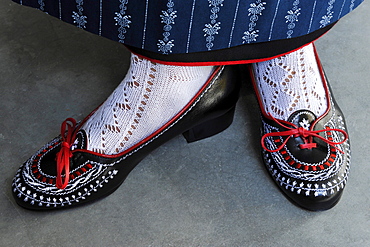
148	97
291	82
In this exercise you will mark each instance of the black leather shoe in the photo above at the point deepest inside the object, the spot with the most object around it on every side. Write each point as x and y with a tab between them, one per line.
61	175
307	156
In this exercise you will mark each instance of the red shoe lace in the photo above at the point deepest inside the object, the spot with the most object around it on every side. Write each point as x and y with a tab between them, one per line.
63	156
306	135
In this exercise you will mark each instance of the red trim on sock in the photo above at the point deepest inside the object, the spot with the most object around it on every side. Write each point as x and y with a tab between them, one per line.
218	63
215	63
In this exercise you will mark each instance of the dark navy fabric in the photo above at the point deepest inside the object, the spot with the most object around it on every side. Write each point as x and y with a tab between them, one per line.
187	26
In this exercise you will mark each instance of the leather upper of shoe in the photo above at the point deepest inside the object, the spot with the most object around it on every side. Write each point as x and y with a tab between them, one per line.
308	156
91	175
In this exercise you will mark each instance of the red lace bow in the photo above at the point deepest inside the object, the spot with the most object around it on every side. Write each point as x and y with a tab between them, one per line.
63	156
306	135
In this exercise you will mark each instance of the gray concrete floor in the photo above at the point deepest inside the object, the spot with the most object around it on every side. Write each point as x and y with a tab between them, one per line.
214	192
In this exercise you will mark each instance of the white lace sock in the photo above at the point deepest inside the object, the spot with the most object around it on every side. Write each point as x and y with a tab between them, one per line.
148	97
291	82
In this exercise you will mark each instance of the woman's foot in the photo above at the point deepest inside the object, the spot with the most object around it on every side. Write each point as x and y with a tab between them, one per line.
305	144
149	96
153	104
290	83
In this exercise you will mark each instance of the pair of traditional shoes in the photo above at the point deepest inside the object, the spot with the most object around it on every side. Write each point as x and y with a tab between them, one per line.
306	153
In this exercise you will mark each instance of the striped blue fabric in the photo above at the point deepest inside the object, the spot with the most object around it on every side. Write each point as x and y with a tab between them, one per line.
185	26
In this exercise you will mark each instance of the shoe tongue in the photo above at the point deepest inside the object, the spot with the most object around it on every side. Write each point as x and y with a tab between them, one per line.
80	141
302	118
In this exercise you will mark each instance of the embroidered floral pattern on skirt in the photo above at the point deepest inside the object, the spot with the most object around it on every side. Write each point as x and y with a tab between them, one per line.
200	25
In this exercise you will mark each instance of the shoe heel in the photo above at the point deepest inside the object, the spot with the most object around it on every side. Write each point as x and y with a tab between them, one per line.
210	127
